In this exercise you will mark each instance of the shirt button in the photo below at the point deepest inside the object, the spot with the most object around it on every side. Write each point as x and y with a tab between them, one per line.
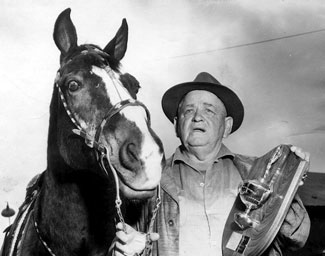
170	222
201	184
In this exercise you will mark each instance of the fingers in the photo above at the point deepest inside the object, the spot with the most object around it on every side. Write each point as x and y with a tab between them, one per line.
119	226
303	155
125	237
131	241
153	237
122	237
300	153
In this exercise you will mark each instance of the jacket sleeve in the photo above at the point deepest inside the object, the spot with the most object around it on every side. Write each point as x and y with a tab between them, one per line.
295	229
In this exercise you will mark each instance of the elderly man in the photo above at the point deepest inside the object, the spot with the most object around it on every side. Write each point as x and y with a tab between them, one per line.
200	181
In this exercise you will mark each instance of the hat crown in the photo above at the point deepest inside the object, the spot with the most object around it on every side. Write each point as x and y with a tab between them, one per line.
205	77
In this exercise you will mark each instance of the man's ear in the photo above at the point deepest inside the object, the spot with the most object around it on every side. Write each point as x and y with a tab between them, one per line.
176	126
228	126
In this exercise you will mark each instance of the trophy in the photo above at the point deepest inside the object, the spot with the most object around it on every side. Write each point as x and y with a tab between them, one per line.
264	198
253	193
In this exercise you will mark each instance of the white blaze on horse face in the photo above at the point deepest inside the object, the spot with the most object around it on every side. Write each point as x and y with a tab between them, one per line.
115	90
150	153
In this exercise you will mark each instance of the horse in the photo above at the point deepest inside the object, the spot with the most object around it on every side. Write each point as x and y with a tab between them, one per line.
101	152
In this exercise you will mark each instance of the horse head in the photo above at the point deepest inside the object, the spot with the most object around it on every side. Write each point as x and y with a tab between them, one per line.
97	111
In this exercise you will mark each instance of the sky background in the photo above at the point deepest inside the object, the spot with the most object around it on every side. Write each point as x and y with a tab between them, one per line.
272	53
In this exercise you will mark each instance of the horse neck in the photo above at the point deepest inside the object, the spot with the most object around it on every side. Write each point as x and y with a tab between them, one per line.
76	207
73	213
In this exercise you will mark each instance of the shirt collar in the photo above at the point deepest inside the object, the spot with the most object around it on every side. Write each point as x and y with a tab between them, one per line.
180	156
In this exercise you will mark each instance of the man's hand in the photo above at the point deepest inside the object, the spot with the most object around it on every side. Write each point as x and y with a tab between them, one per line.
303	155
299	152
129	243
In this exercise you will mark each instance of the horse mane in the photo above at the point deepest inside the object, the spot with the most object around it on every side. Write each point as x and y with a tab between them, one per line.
52	147
93	195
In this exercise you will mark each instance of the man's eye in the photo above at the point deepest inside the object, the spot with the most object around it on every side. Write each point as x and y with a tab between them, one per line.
188	111
210	111
73	86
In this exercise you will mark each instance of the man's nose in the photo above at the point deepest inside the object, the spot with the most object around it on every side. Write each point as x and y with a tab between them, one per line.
197	116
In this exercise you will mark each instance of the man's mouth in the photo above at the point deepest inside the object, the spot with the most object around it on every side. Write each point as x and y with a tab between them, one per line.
198	129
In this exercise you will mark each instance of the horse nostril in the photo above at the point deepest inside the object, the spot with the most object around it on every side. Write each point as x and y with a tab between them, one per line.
131	150
130	156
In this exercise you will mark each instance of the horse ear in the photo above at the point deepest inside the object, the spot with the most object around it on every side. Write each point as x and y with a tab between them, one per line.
117	46
65	35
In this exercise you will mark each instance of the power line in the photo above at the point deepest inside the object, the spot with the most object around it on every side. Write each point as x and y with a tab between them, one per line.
249	44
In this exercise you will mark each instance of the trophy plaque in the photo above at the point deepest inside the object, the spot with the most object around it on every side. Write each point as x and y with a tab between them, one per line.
262	203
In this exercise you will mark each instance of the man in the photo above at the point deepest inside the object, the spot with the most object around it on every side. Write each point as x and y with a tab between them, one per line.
200	181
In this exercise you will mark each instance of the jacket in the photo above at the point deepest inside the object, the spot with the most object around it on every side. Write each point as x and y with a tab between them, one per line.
167	222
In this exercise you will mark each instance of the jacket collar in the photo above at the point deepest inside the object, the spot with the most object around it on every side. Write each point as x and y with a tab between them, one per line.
170	174
168	183
180	156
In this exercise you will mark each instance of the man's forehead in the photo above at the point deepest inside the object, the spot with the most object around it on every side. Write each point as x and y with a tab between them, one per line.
201	97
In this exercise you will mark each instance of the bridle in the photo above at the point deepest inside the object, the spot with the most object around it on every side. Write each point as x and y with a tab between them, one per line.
102	151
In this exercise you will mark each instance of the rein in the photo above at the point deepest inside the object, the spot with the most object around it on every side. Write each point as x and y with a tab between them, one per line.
102	153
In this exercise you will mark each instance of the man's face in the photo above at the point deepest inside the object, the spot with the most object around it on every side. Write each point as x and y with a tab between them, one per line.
202	120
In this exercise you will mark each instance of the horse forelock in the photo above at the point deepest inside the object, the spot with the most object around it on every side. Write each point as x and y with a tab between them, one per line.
90	54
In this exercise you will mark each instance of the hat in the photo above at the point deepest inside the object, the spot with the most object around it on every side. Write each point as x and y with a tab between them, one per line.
204	81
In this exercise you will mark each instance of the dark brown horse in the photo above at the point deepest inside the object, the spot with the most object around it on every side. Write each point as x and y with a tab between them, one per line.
100	143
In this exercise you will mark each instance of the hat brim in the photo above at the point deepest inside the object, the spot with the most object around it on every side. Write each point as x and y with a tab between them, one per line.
175	94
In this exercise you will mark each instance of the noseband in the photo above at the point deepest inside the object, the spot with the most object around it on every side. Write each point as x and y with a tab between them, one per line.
102	151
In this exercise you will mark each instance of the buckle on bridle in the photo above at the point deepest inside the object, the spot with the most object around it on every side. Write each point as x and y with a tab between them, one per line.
89	140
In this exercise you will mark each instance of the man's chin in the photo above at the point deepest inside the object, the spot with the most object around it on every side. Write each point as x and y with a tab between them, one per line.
197	142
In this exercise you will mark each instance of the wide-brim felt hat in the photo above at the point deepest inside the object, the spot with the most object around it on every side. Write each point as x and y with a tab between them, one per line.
204	81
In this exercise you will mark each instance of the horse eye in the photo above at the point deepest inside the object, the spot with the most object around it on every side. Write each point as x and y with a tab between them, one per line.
73	86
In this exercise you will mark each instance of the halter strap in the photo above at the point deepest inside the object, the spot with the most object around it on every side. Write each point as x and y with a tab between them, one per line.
92	141
111	75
